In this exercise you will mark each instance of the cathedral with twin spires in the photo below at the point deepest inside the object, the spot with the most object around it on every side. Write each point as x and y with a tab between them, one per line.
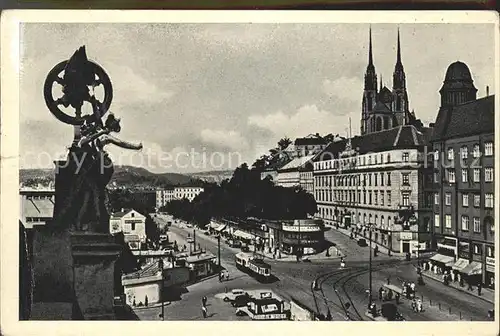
382	108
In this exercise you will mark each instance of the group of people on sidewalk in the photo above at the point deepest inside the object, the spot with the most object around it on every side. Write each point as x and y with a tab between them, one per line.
451	277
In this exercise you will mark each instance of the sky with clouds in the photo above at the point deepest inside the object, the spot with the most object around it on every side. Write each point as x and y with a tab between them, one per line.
210	96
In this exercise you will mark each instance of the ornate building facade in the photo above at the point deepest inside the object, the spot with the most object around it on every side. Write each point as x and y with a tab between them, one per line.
378	180
463	210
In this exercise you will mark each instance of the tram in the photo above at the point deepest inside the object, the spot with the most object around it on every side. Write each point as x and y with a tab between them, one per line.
253	265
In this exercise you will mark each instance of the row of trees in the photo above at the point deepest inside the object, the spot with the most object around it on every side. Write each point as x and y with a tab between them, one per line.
244	195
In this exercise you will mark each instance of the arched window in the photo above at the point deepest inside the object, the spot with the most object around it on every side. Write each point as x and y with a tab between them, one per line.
398	103
386	122
382	221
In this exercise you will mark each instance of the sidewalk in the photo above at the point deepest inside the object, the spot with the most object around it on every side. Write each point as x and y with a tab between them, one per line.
486	293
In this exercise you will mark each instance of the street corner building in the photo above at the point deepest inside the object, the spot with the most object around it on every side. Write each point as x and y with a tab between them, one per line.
378	181
463	210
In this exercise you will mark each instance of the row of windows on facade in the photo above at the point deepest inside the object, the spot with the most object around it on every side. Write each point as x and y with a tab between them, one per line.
328	213
355	180
368	197
490	225
36	219
464	151
477	249
41	197
361	160
488	200
476	175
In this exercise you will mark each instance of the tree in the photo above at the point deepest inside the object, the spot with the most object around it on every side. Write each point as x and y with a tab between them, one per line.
284	143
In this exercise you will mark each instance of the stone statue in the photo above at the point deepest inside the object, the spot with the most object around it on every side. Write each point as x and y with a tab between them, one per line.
81	199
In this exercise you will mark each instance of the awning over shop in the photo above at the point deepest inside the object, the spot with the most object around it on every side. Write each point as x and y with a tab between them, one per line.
473	268
243	235
220	228
460	264
446	260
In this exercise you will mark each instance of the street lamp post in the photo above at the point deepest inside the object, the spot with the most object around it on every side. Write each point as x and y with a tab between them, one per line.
162	315
370	298
218	249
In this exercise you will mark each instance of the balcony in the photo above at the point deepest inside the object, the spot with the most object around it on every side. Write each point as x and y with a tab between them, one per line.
407	207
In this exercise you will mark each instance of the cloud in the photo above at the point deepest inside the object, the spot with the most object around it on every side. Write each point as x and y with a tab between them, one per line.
129	85
348	88
306	120
227	139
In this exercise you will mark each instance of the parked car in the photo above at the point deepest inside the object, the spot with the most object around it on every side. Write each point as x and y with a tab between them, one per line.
241	300
245	248
233	294
189	225
206	233
362	242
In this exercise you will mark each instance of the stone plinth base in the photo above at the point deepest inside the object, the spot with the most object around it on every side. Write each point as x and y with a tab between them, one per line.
53	295
94	256
73	275
52	311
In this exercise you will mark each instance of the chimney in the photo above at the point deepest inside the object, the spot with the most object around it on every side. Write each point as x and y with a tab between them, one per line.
487	91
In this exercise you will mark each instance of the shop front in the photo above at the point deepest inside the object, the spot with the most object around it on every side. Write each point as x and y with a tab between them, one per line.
490	273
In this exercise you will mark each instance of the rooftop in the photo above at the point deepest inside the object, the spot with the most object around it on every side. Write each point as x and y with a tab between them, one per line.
401	137
41	208
297	163
475	117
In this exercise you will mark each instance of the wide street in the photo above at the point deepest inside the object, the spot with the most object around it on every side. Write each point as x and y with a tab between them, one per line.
338	286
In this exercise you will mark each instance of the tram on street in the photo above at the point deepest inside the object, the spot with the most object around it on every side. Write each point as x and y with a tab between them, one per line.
254	266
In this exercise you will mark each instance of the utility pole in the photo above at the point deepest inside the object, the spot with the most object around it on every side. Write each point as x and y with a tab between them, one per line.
370	298
162	315
194	239
218	248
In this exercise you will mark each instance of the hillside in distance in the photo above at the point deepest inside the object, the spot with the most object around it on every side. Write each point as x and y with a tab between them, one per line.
215	176
124	176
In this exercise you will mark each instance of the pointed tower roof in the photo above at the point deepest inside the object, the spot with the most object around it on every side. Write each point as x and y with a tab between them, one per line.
399	63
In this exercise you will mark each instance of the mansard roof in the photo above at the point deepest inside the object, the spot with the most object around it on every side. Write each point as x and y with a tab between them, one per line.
471	118
402	137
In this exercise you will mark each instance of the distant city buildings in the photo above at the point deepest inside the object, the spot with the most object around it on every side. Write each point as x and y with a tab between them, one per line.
297	172
132	224
163	196
37	206
463	204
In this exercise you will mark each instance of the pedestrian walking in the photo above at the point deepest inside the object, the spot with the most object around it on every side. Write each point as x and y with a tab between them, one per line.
204	301
389	295
479	289
227	276
380	293
204	311
397	298
388	280
419	305
414	305
146	301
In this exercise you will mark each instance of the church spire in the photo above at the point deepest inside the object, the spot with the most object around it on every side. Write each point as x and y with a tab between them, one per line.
399	76
370	75
398	61
370	54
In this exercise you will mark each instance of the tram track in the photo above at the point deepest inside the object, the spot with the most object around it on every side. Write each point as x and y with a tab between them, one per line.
343	280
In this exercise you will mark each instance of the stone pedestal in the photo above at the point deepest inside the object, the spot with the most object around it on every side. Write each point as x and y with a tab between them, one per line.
73	275
53	294
94	257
